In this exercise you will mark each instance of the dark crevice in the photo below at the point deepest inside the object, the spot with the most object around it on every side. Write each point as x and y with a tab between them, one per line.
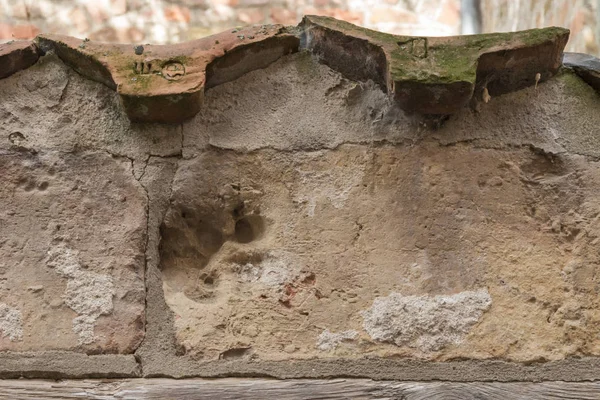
357	59
146	240
244	59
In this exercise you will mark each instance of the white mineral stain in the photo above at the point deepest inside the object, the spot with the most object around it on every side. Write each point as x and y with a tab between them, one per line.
275	270
328	340
88	294
425	322
11	324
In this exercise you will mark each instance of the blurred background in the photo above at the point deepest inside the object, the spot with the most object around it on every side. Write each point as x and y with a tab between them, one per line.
171	21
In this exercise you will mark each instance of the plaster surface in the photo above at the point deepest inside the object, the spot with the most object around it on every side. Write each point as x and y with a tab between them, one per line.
486	224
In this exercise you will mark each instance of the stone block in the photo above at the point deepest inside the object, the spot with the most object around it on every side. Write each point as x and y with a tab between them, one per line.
78	283
386	252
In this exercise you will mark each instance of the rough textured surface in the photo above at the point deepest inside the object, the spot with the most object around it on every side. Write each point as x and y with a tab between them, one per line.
62	364
404	369
11	323
166	83
309	211
74	114
330	341
427	76
437	75
88	294
76	283
15	56
274	248
291	228
586	66
426	323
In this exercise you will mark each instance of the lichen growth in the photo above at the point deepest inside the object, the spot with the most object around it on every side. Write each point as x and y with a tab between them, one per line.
444	64
140	83
185	60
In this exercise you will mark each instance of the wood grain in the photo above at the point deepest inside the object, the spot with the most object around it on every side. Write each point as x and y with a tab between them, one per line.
224	389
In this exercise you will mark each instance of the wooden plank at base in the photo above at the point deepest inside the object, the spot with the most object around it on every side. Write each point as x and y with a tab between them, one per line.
225	389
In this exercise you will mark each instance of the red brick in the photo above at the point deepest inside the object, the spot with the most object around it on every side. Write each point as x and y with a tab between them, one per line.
284	16
401	29
134	35
24	31
177	14
251	16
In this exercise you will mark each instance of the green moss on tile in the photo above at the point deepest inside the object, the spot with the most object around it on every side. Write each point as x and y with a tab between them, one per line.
574	85
447	62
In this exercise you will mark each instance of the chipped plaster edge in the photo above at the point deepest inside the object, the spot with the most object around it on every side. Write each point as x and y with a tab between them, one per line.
59	365
64	364
570	370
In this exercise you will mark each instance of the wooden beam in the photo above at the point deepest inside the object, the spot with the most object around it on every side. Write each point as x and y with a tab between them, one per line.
224	389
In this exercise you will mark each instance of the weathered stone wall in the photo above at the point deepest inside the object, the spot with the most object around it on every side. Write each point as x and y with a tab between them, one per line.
303	224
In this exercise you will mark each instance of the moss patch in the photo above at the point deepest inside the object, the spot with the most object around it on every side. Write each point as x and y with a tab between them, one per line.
449	61
575	86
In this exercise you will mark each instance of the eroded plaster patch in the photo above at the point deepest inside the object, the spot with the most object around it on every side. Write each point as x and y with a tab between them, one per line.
276	269
328	340
333	186
11	323
425	322
88	294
